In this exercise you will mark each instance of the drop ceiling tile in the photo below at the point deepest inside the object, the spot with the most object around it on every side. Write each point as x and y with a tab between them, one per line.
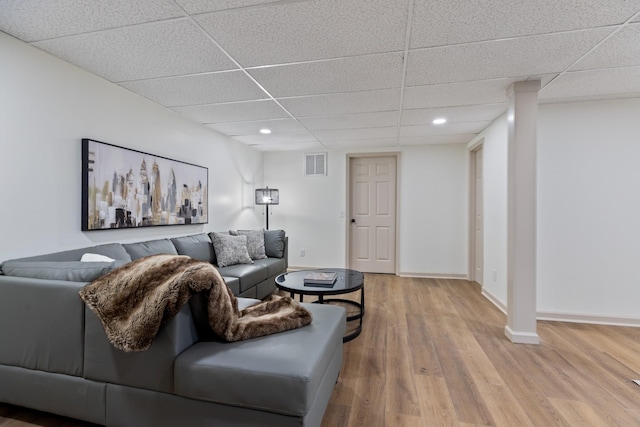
351	121
620	50
501	58
202	6
351	134
610	82
443	22
31	20
277	127
382	71
437	139
343	103
274	139
294	146
445	129
361	143
234	111
209	88
470	113
309	30
134	53
453	94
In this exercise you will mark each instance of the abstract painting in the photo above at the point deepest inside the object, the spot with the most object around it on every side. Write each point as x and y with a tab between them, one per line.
124	188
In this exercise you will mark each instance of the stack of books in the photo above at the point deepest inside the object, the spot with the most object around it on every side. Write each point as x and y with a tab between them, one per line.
318	278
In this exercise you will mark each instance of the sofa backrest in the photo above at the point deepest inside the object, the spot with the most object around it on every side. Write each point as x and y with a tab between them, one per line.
150	247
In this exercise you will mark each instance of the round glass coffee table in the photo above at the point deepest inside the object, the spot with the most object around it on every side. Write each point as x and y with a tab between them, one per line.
347	281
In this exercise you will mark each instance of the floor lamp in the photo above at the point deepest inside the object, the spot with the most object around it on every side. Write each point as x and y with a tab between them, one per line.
267	196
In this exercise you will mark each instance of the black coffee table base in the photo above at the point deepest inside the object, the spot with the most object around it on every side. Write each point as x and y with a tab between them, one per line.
347	281
358	316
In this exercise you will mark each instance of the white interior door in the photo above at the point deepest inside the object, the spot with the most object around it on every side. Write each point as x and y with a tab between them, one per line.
373	214
479	219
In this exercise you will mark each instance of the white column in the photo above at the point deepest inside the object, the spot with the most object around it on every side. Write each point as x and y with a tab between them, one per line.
521	193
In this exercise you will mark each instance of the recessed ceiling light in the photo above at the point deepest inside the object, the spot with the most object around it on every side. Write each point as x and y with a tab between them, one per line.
439	121
265	131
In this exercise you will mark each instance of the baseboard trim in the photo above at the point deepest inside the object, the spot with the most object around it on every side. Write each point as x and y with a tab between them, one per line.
494	300
569	317
434	275
517	337
583	318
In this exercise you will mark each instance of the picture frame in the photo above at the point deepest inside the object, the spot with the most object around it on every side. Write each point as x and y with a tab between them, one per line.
126	188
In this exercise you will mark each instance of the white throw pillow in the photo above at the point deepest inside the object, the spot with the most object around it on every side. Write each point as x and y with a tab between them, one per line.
95	258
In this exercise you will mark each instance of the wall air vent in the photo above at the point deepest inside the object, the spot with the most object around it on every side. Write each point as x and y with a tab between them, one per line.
315	164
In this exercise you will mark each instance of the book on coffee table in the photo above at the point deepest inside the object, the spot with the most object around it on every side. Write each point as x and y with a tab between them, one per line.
320	278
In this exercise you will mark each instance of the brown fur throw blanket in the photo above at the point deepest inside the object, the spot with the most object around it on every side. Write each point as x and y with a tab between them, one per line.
135	300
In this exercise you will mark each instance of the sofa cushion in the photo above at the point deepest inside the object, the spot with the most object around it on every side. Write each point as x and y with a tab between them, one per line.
255	242
274	266
74	271
197	246
150	247
274	243
279	373
249	275
230	250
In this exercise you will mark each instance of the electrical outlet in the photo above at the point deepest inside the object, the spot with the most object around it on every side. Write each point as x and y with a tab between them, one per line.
302	252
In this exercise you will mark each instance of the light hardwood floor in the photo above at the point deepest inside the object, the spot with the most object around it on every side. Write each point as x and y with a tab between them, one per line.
433	353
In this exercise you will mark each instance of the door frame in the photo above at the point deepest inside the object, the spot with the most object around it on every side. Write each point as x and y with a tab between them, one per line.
347	220
472	209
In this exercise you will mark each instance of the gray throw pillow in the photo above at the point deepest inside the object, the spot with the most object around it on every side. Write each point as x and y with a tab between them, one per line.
230	250
274	243
255	242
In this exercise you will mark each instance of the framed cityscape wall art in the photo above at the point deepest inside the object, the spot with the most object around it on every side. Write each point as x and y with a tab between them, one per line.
124	188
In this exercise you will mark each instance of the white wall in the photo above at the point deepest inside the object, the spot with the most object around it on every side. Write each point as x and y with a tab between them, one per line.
589	209
588	216
47	106
432	209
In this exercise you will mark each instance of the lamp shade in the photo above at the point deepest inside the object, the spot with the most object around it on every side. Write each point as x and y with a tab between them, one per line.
267	196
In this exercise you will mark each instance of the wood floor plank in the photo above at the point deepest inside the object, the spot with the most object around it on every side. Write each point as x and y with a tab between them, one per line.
578	413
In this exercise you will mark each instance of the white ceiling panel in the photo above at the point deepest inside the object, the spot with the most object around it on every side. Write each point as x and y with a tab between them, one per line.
445	22
185	49
309	30
277	127
382	71
210	88
436	139
612	82
343	103
234	111
471	113
361	143
453	94
201	6
32	20
273	139
445	129
292	146
620	50
351	134
351	121
501	58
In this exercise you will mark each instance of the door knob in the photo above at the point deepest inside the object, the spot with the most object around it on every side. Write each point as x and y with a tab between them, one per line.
353	220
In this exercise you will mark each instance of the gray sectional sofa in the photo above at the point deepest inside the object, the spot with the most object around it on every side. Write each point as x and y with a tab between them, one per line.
55	356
